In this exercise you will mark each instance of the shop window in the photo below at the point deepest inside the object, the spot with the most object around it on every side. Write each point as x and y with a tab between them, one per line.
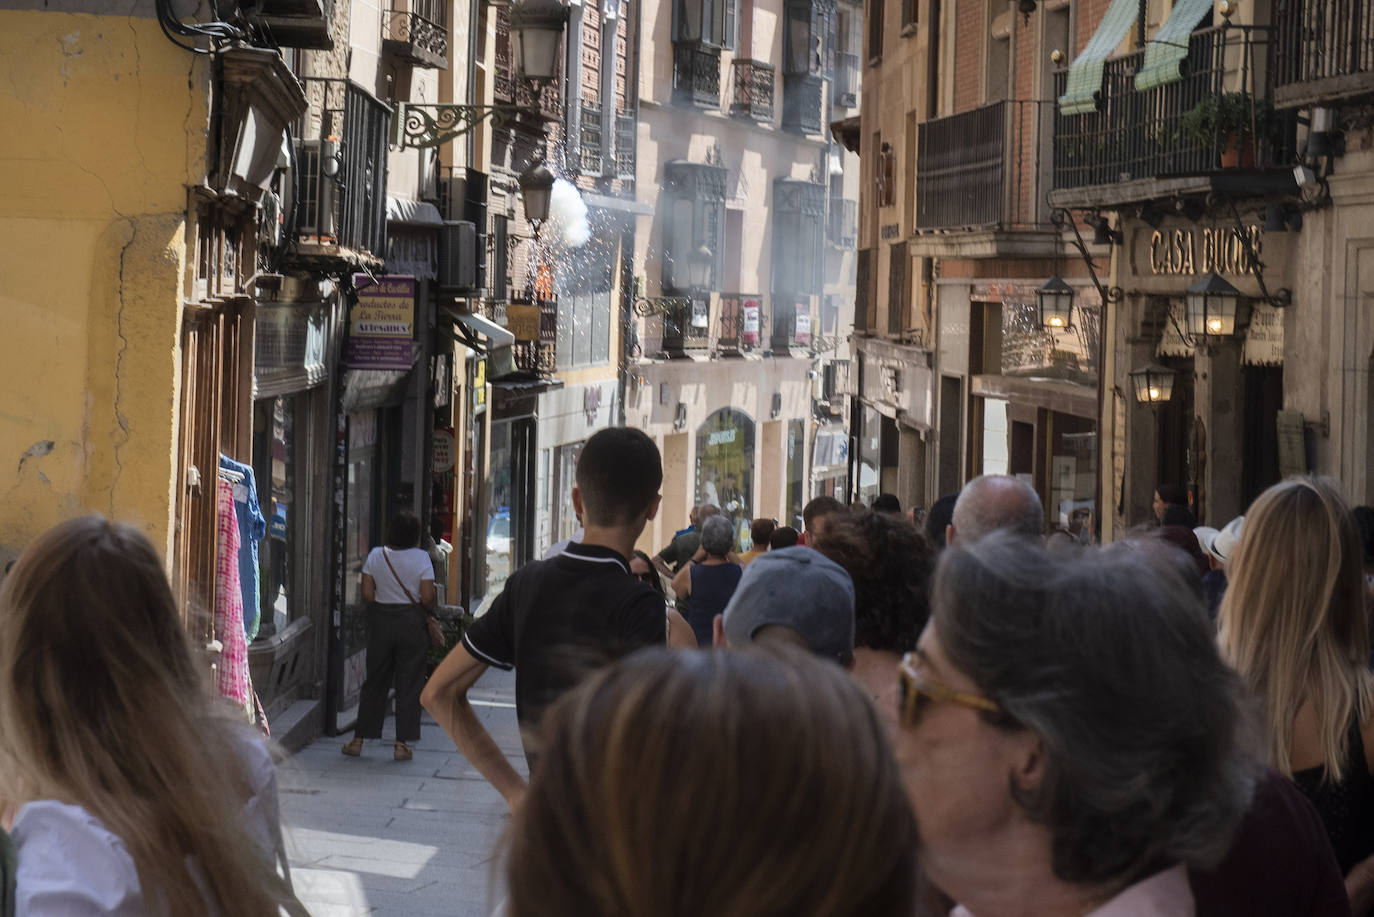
725	464
694	216
870	455
796	471
1073	472
275	462
565	523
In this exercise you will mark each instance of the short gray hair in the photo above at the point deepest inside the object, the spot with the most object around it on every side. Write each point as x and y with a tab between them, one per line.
717	535
1108	656
997	501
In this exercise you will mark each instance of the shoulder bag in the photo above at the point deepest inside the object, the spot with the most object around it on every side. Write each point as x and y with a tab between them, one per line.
436	633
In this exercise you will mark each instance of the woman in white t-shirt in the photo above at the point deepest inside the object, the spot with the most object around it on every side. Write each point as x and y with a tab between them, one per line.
398	585
128	786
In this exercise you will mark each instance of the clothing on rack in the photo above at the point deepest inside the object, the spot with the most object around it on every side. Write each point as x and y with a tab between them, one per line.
252	526
231	678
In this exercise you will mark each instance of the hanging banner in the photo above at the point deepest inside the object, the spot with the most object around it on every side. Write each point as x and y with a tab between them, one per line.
750	334
1264	339
381	327
1171	343
701	313
802	332
523	321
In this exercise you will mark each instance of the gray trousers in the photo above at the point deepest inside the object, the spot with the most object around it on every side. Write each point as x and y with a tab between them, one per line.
397	640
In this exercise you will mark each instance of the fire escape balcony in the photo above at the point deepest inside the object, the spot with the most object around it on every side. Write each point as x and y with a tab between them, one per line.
1324	52
753	90
1214	129
981	181
417	35
341	176
801	103
696	74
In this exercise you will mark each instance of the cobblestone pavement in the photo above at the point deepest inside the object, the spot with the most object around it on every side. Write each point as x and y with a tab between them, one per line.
371	835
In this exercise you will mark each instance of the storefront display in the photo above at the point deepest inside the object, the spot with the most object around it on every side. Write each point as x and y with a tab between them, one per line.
725	463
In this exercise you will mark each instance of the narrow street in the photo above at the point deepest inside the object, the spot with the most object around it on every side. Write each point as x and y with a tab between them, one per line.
375	836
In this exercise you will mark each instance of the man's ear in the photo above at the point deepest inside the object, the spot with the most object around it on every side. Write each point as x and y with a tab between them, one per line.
652	511
1028	762
577	502
951	536
718	632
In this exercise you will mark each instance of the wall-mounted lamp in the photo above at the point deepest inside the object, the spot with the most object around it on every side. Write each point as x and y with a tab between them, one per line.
777	405
1054	304
680	419
1212	302
1154	384
1103	234
536	187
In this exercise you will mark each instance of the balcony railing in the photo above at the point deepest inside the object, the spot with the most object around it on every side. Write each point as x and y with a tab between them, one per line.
1179	128
626	140
847	80
801	102
981	168
504	83
696	74
590	151
739	317
843	227
341	212
753	92
540	356
417	35
1324	51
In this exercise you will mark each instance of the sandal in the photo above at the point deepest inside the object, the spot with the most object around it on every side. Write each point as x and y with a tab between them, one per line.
403	752
354	748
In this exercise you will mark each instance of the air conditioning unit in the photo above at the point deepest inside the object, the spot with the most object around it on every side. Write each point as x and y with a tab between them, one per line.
458	256
317	212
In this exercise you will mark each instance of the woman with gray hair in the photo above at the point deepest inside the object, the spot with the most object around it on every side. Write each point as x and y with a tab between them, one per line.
710	579
1071	740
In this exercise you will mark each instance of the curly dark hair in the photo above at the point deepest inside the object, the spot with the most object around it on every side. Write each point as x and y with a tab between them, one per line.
892	563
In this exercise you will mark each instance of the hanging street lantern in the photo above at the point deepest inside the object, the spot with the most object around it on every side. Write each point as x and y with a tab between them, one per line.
1054	303
536	186
1154	384
1212	307
536	28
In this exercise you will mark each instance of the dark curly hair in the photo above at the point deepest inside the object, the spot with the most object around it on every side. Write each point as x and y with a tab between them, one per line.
892	563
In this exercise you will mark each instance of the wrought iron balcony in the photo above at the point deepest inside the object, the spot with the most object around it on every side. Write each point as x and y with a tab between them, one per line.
696	74
591	153
847	80
1216	118
981	168
341	165
739	316
753	92
843	227
626	141
417	35
1324	52
540	356
504	82
801	102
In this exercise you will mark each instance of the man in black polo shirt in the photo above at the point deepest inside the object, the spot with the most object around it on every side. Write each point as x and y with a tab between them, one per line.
558	618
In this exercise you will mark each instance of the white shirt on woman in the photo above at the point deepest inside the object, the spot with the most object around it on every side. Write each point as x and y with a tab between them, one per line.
70	865
413	567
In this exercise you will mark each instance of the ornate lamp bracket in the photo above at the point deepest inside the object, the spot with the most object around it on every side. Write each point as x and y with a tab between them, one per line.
419	125
646	306
1061	218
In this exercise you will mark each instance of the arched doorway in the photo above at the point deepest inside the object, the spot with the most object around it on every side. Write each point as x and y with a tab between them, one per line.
725	464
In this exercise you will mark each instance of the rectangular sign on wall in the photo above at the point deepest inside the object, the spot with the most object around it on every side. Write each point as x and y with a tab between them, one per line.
381	324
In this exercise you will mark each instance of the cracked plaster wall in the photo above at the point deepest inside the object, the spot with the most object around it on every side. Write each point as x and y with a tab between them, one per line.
106	126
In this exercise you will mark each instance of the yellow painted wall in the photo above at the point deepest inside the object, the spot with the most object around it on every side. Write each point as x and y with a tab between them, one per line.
106	125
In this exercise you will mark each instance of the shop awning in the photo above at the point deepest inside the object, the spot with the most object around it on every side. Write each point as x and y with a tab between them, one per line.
1085	73
412	213
1165	53
466	325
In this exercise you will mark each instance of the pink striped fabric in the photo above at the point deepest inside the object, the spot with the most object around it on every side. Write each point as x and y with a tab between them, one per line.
231	678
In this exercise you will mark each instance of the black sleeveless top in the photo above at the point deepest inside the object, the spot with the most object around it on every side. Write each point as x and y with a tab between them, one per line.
1346	808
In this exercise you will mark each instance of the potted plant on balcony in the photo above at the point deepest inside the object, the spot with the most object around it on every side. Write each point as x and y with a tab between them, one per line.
1236	120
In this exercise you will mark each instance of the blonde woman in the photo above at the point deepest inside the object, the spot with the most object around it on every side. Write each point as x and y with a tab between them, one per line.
128	787
1293	624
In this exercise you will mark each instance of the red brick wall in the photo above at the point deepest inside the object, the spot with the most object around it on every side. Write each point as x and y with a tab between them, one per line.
1090	13
970	31
1025	62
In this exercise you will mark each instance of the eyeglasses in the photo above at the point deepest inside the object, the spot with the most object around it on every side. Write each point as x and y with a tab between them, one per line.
917	694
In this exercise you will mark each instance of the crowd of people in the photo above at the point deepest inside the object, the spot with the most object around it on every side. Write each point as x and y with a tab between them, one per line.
949	712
